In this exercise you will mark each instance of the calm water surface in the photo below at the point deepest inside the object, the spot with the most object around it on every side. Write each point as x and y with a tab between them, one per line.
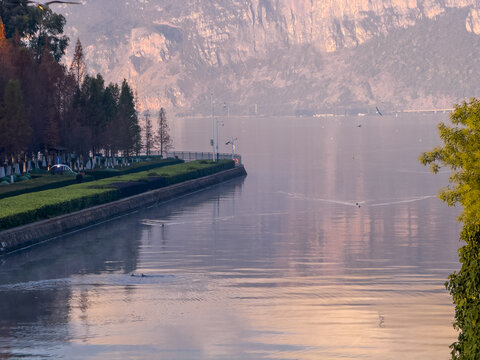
279	265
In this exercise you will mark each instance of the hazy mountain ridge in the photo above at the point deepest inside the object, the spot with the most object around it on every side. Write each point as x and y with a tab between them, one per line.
283	55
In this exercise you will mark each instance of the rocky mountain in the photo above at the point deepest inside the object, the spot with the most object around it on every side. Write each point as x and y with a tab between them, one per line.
283	56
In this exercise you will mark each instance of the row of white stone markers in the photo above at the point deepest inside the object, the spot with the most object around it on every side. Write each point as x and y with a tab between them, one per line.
45	162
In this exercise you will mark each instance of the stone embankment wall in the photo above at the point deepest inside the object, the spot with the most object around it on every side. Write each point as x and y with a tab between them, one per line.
31	234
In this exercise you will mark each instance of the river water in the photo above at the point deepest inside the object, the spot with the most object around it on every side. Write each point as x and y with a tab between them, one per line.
282	264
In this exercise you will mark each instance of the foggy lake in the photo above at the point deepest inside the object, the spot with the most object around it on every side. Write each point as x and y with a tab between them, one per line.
334	246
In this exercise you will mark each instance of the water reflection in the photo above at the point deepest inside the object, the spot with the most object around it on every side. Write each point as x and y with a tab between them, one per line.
283	264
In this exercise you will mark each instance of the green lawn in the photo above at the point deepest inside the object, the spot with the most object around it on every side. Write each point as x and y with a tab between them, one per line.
47	181
42	182
133	168
34	206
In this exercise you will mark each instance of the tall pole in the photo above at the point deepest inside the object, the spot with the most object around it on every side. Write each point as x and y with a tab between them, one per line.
216	145
213	126
225	107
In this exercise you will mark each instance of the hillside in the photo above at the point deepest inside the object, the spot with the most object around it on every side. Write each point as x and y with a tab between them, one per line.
286	56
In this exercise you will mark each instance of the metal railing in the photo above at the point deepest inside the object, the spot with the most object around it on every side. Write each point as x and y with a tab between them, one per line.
197	155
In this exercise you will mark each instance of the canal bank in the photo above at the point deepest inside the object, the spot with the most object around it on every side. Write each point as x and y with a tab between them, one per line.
31	234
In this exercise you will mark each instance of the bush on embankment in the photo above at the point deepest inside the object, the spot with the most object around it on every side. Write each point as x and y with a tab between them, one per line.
133	168
129	185
27	208
47	181
40	183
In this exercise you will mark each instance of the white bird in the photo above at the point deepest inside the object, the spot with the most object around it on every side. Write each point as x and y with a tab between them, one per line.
44	5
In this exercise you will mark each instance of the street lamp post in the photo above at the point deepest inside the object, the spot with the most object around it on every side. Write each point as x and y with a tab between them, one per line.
218	122
225	107
212	142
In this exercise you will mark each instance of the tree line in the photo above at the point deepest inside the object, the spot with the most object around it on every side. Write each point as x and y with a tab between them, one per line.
46	106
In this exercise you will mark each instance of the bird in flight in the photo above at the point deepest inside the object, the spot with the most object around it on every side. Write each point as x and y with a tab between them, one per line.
42	6
378	111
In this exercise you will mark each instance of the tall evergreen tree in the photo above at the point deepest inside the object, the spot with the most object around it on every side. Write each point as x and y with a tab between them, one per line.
14	127
130	136
66	89
50	93
93	91
110	106
77	67
163	133
65	108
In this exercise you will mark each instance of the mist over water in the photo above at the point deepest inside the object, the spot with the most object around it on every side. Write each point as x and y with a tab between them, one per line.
333	247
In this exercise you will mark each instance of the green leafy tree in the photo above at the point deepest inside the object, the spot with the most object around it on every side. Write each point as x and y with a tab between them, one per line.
35	28
464	286
461	154
17	18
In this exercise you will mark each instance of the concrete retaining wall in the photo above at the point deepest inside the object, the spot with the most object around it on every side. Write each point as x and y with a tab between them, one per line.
30	234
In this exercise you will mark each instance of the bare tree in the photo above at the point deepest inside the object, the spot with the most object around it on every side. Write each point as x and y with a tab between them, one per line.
163	136
149	135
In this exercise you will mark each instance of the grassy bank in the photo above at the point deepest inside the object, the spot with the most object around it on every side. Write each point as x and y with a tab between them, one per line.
133	168
40	183
27	208
48	181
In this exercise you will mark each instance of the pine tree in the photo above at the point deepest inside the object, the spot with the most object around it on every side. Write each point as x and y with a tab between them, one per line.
163	135
77	67
110	107
94	117
130	132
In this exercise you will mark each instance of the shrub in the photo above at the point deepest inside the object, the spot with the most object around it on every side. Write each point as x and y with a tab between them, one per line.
133	168
39	183
39	171
26	208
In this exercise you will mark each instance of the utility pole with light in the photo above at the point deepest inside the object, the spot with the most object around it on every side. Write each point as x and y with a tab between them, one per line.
212	140
218	122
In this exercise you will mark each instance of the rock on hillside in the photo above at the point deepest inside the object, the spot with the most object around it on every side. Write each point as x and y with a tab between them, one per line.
286	56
